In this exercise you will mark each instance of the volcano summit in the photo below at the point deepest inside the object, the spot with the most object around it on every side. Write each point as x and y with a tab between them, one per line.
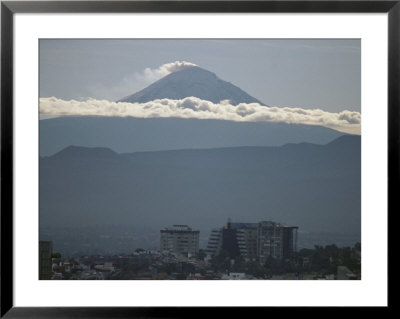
192	81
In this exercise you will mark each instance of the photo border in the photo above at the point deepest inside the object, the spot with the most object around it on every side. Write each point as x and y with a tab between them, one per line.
8	8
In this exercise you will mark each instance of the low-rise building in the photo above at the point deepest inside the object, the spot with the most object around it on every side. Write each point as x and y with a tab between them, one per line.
234	276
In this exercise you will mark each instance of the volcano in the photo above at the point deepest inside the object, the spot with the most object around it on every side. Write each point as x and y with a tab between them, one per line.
130	134
192	81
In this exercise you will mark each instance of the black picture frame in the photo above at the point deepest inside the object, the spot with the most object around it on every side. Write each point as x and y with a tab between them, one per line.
9	8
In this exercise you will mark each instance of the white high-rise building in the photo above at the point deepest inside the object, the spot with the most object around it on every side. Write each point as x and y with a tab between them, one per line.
180	240
276	240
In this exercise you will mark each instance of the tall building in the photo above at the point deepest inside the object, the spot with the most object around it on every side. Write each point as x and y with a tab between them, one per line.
214	242
235	239
254	241
45	252
289	241
180	240
276	240
247	239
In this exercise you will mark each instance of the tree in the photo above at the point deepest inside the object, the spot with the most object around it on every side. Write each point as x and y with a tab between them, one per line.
221	262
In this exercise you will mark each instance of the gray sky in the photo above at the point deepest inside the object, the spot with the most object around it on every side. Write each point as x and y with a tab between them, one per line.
323	74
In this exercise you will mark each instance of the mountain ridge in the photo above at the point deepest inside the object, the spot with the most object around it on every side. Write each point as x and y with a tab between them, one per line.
126	135
75	151
89	152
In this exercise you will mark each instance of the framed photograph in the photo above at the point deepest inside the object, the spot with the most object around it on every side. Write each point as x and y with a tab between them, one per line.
158	156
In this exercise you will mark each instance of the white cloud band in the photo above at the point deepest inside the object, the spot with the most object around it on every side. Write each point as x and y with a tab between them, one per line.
192	107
